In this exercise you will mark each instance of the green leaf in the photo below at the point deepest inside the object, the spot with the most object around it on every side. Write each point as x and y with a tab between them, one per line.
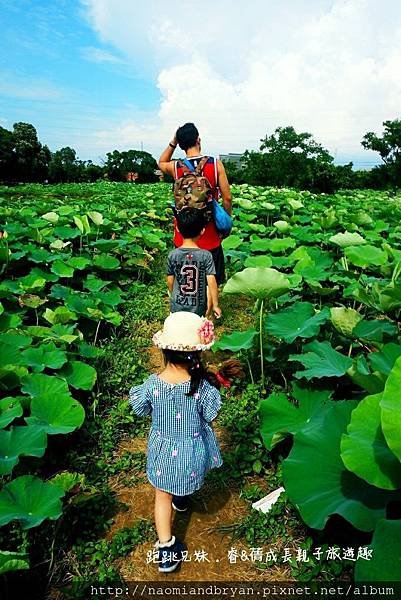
10	409
31	301
13	561
316	480
106	262
61	315
385	564
16	339
20	441
297	320
235	342
56	414
45	356
391	409
280	417
66	480
79	375
321	360
93	284
258	283
96	217
37	385
364	450
344	319
375	330
78	262
347	239
384	360
52	217
62	269
282	226
365	256
232	242
258	261
30	501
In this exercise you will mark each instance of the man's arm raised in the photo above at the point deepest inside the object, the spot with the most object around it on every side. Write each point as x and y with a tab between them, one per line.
165	163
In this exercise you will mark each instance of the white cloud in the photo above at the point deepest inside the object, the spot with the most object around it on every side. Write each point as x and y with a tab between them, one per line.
238	71
99	55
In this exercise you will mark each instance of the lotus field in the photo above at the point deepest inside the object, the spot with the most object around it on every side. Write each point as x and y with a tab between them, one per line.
322	276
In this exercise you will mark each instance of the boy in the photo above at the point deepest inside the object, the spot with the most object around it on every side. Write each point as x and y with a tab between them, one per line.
190	270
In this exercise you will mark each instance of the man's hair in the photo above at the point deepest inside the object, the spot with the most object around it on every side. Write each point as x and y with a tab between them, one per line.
187	136
190	222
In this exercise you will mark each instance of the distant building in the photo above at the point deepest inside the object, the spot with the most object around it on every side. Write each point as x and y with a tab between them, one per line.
232	157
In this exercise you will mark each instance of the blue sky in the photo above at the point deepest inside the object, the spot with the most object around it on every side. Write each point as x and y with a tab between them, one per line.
104	74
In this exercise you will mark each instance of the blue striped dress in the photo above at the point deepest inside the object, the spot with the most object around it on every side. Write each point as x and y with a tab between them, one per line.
182	445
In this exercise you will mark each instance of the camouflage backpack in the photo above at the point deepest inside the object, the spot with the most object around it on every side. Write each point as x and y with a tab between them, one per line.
193	190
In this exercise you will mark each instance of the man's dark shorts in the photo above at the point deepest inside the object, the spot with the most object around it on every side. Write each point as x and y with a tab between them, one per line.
218	259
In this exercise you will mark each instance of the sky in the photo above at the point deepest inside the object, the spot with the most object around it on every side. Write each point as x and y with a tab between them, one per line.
100	75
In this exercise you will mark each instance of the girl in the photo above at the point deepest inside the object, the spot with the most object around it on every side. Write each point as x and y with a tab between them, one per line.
183	399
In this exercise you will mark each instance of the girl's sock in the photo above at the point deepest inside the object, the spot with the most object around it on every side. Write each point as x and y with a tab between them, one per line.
168	544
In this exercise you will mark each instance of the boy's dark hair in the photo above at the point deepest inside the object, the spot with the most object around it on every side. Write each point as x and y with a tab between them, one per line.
190	222
186	136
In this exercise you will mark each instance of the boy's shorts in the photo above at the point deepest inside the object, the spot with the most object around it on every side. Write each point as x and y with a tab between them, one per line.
218	259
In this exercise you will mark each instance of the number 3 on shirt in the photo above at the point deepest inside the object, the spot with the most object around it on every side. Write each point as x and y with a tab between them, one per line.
190	286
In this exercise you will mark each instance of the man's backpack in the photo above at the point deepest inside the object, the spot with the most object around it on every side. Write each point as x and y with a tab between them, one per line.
193	190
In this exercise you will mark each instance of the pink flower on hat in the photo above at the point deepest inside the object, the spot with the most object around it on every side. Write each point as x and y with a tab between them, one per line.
174	453
206	332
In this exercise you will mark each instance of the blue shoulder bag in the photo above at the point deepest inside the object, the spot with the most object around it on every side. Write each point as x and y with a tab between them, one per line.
221	218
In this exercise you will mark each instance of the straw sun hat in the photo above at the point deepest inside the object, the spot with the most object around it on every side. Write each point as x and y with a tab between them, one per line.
185	331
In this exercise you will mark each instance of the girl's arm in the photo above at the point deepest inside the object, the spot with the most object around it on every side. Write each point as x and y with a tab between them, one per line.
170	282
224	187
139	400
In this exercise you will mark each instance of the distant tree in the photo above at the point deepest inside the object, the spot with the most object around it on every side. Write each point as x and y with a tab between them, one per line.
64	166
6	154
118	164
389	148
29	160
234	172
93	172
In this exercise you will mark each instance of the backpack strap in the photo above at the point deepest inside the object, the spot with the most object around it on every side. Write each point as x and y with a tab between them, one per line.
185	165
201	165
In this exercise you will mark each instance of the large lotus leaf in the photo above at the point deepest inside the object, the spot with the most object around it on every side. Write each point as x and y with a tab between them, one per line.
279	245
344	319
391	409
52	217
384	360
44	356
282	226
111	298
232	242
257	282
56	414
61	269
321	360
316	480
9	355
10	409
38	384
375	330
31	300
297	320
80	375
365	451
385	563
365	256
258	261
20	441
61	315
235	342
96	217
14	338
280	417
106	262
30	501
93	284
13	561
347	239
78	262
259	244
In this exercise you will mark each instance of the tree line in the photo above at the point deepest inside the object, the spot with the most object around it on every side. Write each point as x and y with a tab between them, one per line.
285	159
290	159
24	159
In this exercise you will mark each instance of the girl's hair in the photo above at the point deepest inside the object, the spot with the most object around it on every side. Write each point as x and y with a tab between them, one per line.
230	369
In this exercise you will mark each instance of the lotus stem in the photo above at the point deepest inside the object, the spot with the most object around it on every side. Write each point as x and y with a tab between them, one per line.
261	344
96	333
250	369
